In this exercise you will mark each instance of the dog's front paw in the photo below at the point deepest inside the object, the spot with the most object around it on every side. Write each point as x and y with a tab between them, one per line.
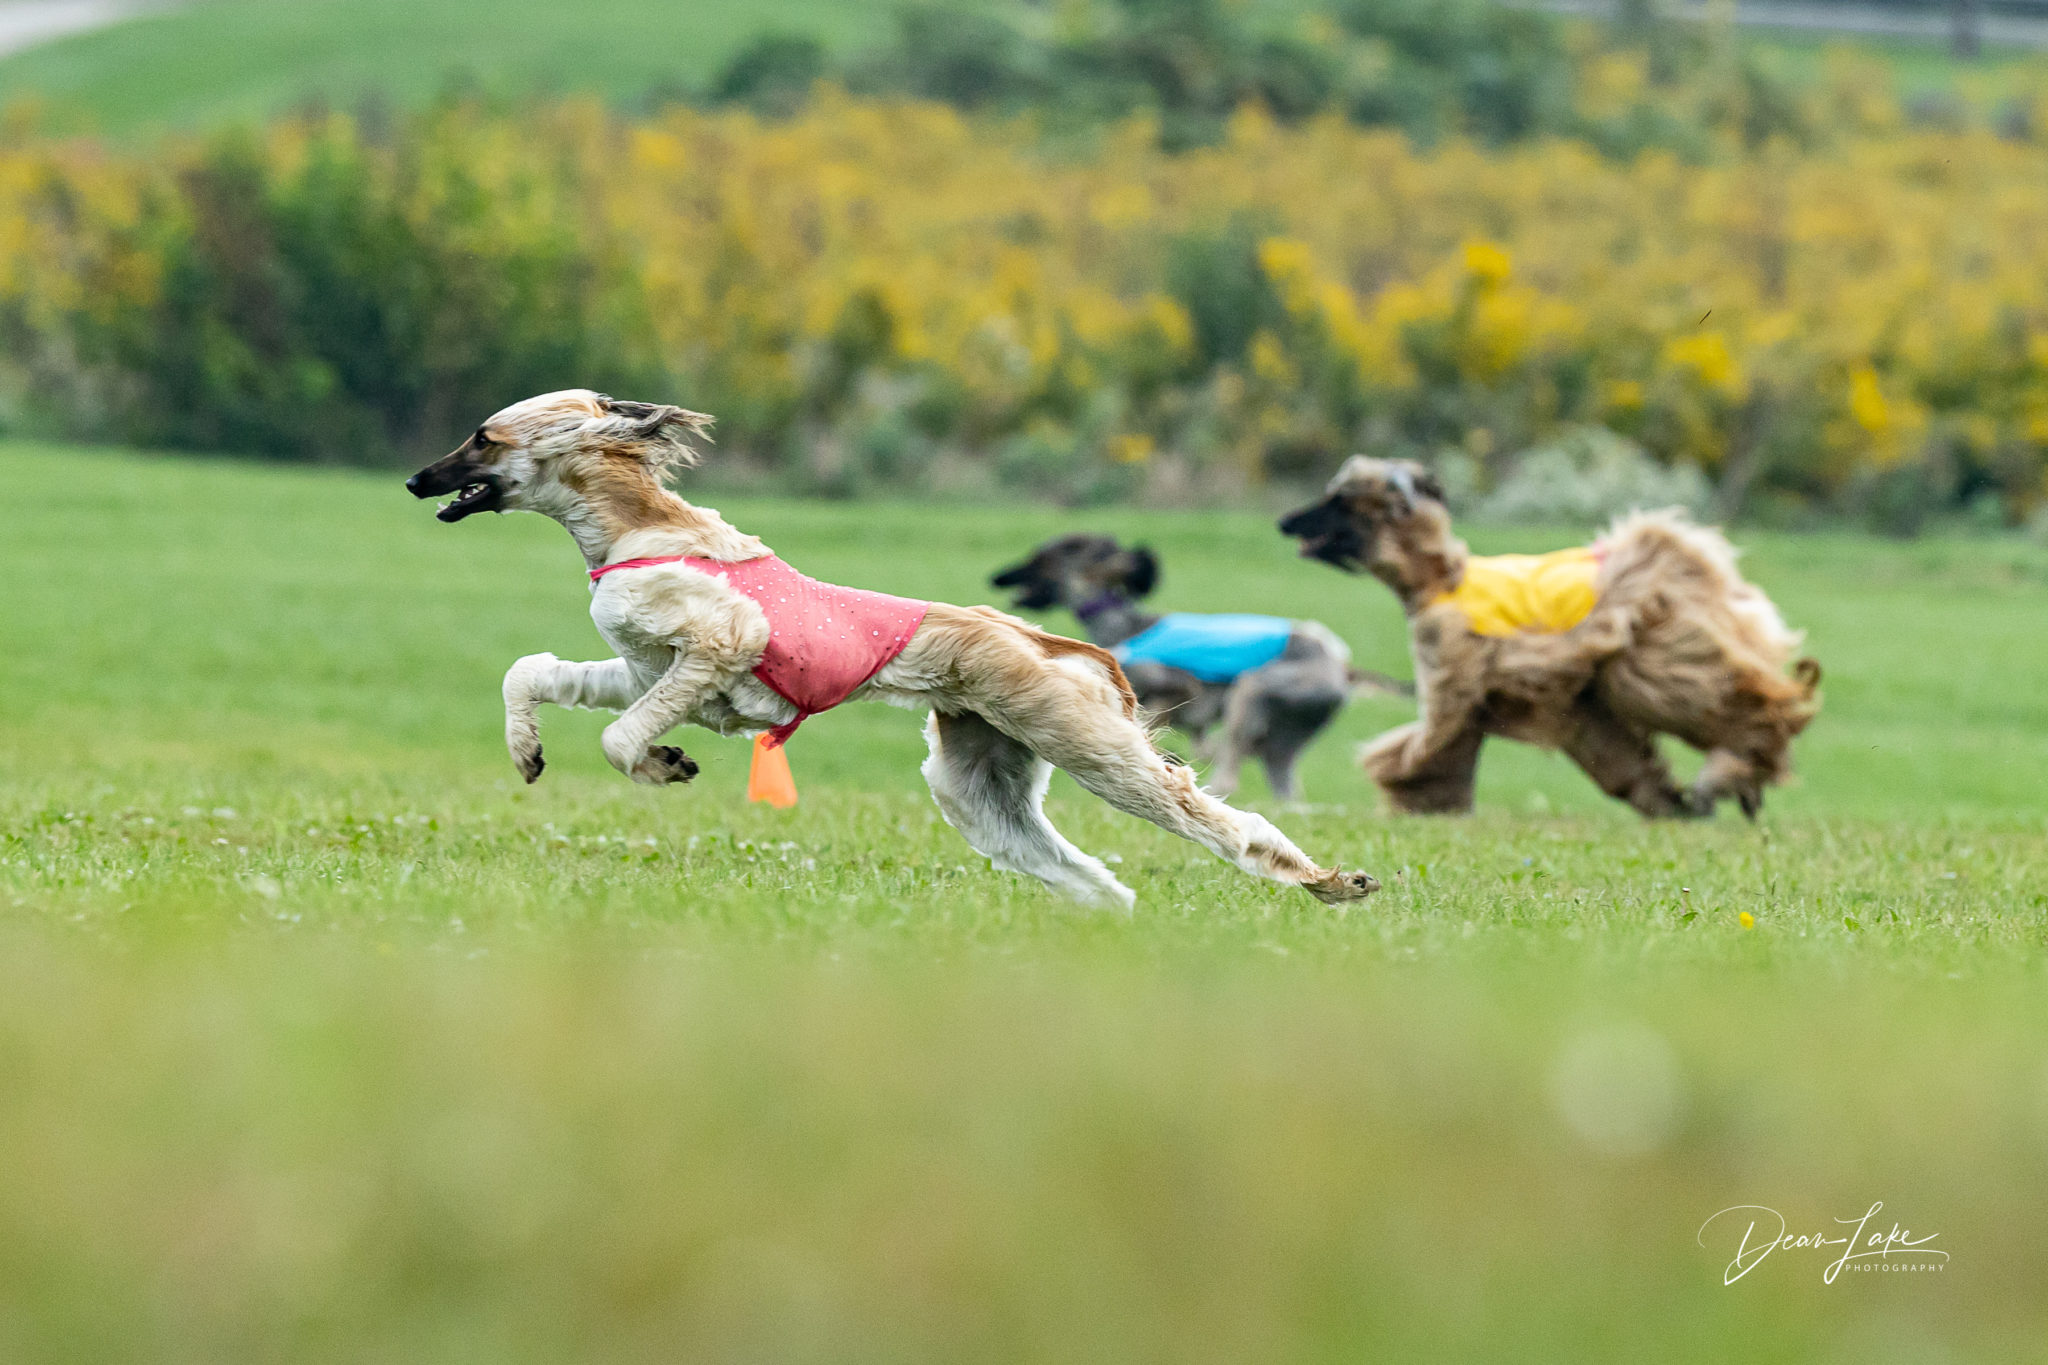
663	764
530	763
1335	888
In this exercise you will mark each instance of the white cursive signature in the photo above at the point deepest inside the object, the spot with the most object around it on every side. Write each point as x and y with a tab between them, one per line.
1861	1245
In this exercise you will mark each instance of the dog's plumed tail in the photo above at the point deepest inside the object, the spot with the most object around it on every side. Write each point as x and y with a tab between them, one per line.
1721	647
1670	566
1366	683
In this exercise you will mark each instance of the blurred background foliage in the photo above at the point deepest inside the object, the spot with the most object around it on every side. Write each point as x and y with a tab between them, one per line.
1166	250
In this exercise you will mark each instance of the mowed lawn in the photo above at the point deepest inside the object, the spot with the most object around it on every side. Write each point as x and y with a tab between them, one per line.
209	62
324	1038
215	61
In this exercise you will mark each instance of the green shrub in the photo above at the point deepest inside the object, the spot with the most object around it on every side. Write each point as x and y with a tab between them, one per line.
360	303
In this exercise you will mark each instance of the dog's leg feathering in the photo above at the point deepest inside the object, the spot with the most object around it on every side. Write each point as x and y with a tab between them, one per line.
1428	766
1442	783
992	789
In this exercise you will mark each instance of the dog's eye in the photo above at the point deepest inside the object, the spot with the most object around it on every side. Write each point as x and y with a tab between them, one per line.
481	439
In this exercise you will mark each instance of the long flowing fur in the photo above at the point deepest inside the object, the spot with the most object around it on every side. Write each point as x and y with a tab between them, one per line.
1009	702
1677	643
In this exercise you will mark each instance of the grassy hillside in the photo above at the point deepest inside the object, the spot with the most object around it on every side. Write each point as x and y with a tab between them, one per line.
210	61
322	1038
221	60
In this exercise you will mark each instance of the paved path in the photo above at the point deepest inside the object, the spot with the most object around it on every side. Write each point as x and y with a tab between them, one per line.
1885	21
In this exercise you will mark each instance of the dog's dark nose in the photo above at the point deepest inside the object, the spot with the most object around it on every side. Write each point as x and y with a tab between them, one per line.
1307	521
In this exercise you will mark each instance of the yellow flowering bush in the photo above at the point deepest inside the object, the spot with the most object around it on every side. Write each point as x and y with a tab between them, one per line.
883	292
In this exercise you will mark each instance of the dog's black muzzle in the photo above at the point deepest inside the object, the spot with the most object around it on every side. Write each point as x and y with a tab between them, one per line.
477	488
1327	531
1034	591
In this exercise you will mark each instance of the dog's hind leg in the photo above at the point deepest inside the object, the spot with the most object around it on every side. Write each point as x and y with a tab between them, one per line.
537	678
1740	765
1726	774
992	789
1071	723
1283	744
1276	710
1754	750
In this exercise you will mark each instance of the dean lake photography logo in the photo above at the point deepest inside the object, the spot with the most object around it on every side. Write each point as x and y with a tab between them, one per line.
1755	1231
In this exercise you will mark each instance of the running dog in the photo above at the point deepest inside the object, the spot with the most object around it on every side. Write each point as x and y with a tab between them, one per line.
1238	685
711	628
1594	651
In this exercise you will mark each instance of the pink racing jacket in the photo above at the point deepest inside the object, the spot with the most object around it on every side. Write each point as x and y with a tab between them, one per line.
824	641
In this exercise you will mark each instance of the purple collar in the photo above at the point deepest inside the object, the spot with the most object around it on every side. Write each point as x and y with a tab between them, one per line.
1106	600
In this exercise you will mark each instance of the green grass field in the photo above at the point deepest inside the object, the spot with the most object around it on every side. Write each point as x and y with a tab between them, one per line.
322	1038
216	61
209	62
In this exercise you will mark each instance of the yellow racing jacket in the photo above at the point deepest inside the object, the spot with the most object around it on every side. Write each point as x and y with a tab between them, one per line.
1536	594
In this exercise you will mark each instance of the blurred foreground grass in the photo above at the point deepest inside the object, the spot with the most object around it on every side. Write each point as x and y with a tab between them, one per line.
321	1038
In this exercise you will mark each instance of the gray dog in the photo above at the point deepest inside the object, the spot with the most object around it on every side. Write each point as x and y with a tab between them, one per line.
1239	686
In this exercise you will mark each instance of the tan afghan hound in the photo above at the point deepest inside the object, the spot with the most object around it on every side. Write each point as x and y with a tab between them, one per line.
1594	652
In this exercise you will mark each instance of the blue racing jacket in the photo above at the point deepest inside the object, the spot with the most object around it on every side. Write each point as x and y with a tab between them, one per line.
1215	649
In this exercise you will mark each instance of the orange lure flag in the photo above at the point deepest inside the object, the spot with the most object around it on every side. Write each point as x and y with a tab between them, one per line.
769	778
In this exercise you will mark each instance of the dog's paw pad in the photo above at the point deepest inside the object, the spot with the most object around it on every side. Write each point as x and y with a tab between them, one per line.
671	764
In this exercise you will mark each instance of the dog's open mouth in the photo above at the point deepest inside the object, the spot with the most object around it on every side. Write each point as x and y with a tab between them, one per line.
1316	547
475	487
1326	532
1336	548
475	497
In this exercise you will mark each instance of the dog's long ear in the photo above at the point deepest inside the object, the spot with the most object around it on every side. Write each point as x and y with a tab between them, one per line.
1402	480
1414	483
1140	569
657	434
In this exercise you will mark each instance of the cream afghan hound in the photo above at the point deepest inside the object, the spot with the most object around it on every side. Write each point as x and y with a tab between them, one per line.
678	593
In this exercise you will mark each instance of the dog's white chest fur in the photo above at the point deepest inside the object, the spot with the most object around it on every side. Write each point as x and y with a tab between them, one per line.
647	654
652	615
